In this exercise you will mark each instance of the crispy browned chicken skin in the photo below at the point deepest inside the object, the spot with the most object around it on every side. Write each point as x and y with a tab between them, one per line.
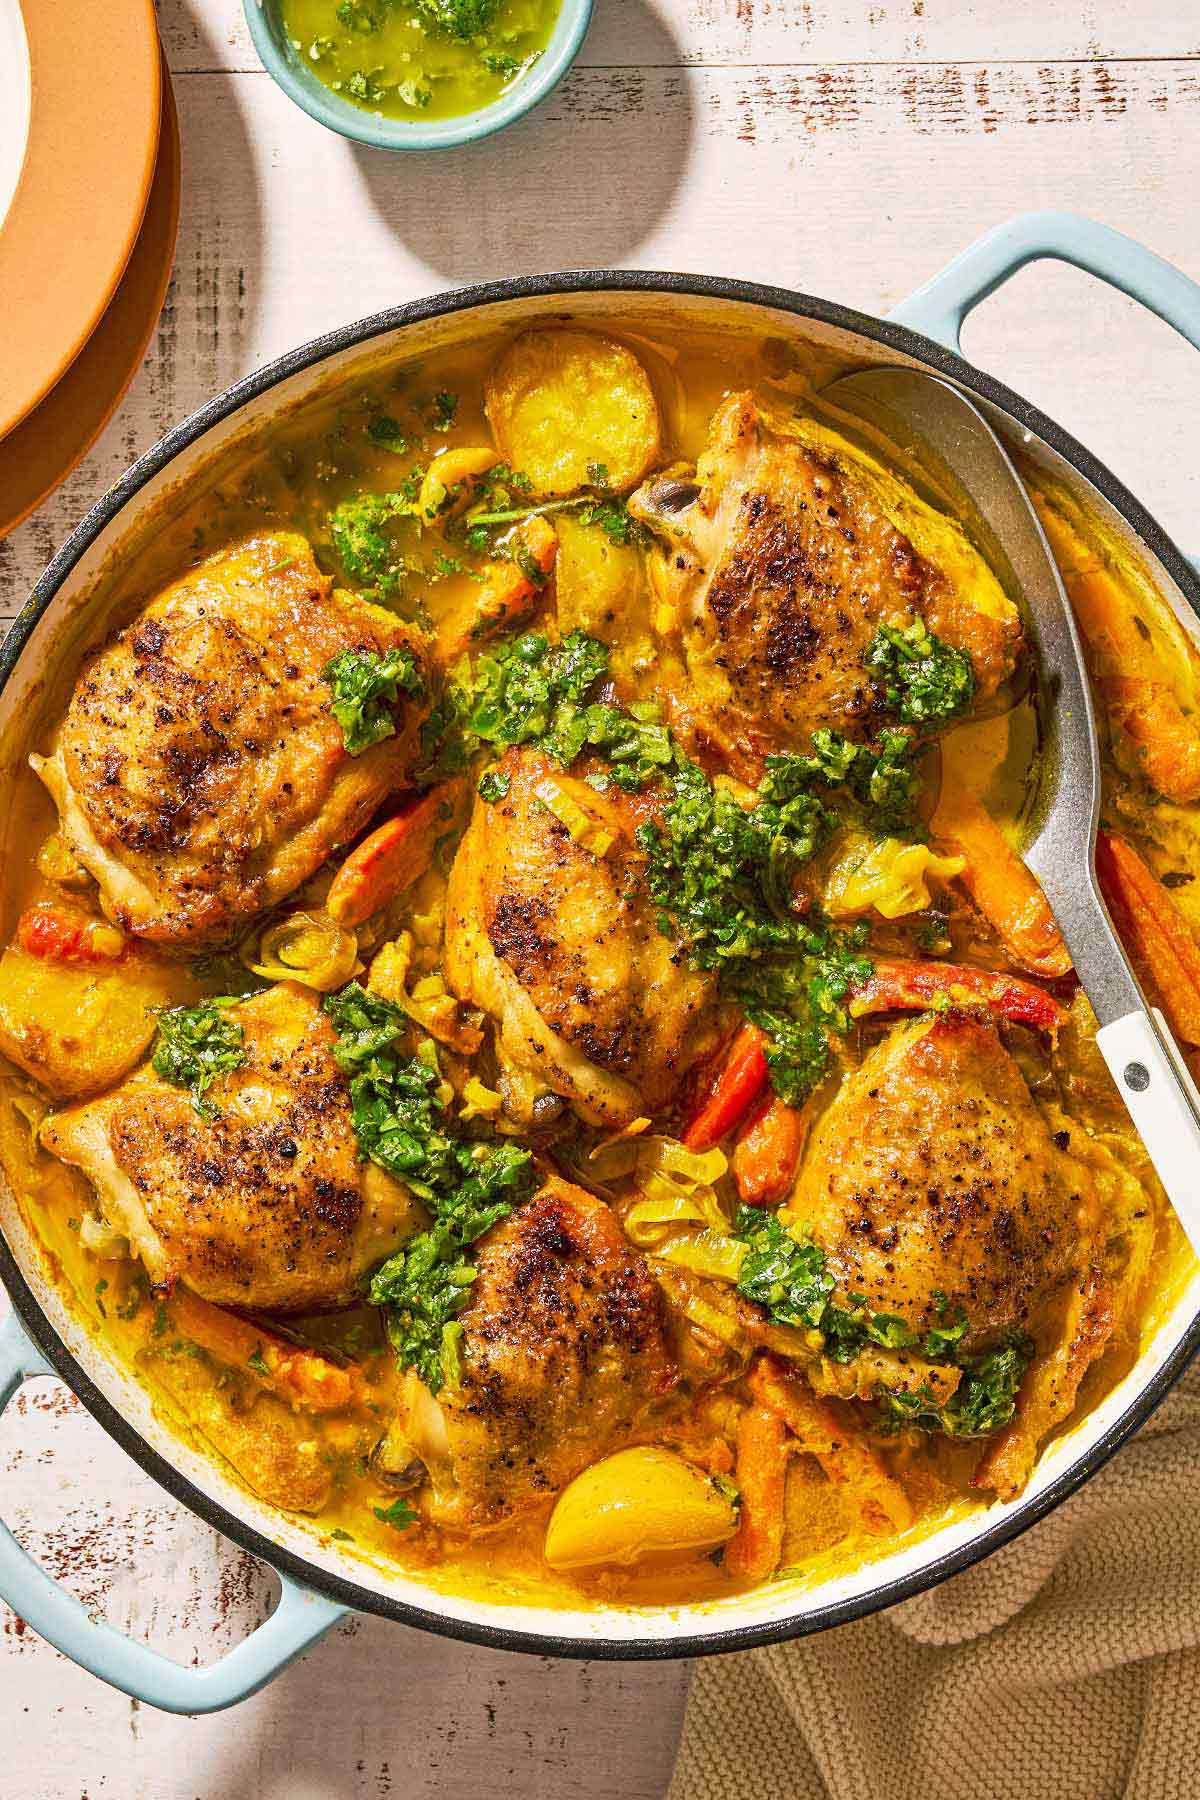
932	1180
564	1351
783	565
562	948
199	773
266	1206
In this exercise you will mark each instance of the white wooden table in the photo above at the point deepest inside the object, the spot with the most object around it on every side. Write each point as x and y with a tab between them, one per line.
847	147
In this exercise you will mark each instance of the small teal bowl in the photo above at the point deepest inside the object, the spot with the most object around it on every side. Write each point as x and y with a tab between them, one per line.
292	74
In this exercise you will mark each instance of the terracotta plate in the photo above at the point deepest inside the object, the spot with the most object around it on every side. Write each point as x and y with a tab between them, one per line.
43	449
93	93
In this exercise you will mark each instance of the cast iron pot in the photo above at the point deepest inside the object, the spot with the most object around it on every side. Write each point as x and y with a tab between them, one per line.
320	1583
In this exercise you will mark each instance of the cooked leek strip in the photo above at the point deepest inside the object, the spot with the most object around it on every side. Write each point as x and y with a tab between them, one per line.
708	1253
889	875
587	831
711	1319
675	1187
650	1222
479	1102
427	1003
307	947
668	1156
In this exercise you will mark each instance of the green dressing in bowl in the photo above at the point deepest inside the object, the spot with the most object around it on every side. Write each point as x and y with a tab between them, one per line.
408	59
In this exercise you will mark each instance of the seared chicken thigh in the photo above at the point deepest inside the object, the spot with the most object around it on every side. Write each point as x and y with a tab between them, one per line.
561	946
199	773
263	1206
564	1351
784	559
933	1182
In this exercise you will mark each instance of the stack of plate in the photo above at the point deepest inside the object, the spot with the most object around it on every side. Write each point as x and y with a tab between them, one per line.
89	207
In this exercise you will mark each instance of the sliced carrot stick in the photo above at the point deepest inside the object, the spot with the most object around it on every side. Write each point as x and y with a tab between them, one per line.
846	1457
768	1151
392	857
753	1551
741	1079
999	883
511	588
1155	931
901	985
1136	684
303	1377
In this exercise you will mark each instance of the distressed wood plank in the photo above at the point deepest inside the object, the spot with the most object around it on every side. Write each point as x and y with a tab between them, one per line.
775	139
374	1711
758	32
856	183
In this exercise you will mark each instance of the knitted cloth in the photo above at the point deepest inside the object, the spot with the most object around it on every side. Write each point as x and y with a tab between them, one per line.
1064	1667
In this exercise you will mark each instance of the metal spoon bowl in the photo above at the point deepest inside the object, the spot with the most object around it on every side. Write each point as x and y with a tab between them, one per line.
932	420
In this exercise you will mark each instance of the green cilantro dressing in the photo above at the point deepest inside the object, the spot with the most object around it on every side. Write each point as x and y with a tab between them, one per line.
412	59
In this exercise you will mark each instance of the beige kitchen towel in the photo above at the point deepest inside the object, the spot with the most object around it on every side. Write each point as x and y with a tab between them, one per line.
1065	1667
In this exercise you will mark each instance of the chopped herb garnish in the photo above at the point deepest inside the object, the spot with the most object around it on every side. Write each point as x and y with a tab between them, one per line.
399	1514
459	18
196	1044
101	1290
722	875
366	686
443	411
614	519
787	1275
367	554
137	1289
924	680
361	15
362	85
983	1402
399	1108
258	1362
388	434
787	1278
493	786
341	1537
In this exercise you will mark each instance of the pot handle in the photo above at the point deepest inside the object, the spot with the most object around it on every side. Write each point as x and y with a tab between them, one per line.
300	1618
939	308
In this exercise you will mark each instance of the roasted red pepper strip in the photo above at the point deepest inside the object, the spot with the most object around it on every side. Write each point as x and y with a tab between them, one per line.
742	1079
898	985
59	934
767	1153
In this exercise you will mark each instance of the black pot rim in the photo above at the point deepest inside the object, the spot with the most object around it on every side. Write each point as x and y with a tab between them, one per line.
565	285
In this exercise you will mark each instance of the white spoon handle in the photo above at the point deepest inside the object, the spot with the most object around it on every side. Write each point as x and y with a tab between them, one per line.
1164	1104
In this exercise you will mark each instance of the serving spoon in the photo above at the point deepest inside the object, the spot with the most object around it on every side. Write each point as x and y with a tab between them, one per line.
926	416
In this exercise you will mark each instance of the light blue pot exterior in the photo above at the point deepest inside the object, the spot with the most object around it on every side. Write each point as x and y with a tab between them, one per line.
936	312
290	71
940	309
300	1618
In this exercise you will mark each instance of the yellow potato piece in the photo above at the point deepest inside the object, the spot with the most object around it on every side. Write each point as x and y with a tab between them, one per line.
78	1027
601	589
637	1506
561	402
